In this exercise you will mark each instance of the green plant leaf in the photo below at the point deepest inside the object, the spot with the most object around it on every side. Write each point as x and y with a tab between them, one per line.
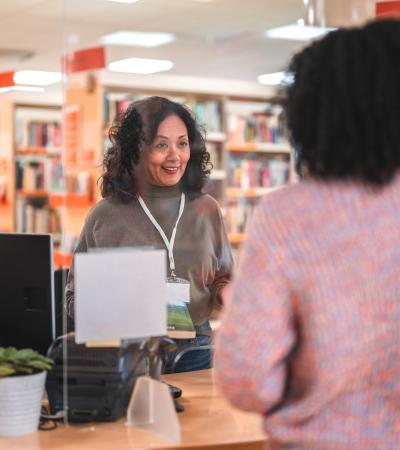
42	365
10	353
23	369
26	353
22	361
6	371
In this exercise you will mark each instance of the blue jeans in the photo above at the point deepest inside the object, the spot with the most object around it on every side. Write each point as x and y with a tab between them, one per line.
192	360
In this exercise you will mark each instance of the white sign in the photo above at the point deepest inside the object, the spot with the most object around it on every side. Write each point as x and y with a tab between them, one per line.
120	294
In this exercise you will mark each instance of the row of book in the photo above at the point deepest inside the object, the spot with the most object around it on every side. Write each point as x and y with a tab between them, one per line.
114	108
251	173
238	214
37	134
79	183
45	174
34	218
208	113
48	175
257	128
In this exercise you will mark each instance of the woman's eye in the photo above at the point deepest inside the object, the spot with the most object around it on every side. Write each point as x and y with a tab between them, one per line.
183	144
161	145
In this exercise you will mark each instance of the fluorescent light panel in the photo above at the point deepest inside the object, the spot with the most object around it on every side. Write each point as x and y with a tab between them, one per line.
140	65
275	78
137	38
36	77
296	32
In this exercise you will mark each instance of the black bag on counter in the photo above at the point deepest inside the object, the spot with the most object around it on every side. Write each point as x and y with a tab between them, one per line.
100	380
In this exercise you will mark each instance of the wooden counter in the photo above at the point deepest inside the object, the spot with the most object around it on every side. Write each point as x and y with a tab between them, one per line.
208	422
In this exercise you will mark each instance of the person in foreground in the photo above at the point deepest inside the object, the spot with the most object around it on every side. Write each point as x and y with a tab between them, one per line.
154	174
310	337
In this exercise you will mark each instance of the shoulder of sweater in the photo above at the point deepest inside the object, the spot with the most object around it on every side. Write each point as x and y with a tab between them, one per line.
206	199
295	196
205	204
291	202
108	206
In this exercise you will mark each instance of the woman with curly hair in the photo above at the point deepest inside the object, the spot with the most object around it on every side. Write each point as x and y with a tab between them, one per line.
154	174
310	338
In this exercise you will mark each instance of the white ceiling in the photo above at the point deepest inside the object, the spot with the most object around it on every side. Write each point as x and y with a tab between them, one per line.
217	39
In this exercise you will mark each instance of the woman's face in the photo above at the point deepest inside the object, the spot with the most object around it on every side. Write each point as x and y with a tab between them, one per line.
165	160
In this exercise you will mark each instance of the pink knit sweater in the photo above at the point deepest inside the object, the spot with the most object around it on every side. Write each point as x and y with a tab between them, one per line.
310	337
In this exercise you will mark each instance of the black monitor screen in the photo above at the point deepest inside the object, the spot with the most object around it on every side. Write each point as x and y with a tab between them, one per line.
26	291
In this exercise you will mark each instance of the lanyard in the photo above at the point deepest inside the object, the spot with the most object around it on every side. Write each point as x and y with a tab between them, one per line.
168	243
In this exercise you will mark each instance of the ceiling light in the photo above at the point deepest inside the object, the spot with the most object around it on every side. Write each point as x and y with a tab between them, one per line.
36	77
21	88
124	1
297	32
136	38
275	78
140	65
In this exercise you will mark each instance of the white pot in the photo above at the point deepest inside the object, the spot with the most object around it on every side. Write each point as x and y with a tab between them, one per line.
20	403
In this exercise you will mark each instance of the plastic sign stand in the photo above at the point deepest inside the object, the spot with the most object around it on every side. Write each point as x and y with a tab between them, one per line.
152	408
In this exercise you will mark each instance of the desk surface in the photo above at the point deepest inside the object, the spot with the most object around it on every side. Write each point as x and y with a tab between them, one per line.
208	422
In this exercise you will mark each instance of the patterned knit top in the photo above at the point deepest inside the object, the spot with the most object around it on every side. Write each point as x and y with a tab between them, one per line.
311	334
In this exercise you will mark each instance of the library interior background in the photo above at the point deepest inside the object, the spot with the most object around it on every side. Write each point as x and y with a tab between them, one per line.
70	68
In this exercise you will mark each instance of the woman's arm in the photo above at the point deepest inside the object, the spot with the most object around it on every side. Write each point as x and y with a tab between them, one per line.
224	260
257	331
85	242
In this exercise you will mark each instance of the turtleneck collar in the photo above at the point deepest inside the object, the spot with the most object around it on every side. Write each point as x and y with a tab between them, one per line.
152	191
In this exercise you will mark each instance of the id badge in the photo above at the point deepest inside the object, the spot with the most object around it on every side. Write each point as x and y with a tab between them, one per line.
178	291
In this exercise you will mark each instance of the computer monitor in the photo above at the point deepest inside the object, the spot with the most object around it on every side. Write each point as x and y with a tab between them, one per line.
27	314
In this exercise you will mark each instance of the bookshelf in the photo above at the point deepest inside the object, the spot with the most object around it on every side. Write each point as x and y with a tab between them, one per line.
249	151
38	168
244	136
258	160
39	192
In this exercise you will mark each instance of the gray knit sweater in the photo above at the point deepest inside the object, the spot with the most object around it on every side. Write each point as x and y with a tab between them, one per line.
202	252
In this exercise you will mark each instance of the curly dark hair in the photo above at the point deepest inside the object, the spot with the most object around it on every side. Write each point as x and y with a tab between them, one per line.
342	109
138	128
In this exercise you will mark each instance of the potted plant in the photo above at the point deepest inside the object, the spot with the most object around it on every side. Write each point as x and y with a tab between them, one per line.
22	381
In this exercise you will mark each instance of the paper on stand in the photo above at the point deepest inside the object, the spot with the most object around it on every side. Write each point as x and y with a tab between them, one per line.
120	294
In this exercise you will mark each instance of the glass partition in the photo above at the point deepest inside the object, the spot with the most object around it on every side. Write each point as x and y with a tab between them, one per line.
125	128
169	142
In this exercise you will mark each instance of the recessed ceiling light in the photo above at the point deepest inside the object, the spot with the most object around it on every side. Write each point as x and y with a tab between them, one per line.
275	78
136	38
21	88
124	1
140	65
36	77
297	32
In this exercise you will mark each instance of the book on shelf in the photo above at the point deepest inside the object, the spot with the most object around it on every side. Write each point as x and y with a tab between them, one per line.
238	214
79	183
208	114
256	128
29	133
248	173
36	217
43	174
